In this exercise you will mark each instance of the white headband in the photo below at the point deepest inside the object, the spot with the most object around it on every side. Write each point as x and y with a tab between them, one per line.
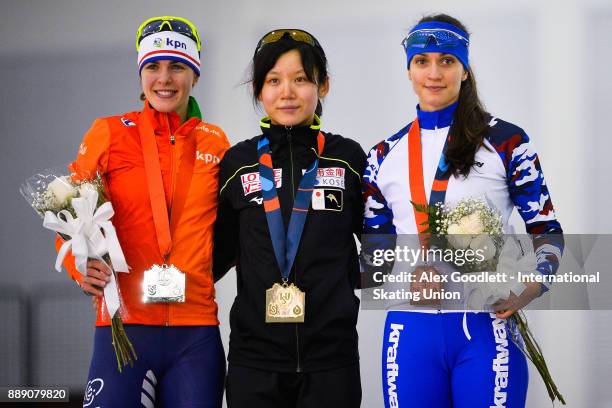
169	45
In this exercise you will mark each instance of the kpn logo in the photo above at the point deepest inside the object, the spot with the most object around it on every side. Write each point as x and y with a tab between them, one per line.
175	43
157	43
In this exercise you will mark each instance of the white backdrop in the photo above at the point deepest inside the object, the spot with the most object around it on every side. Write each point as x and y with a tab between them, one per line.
541	65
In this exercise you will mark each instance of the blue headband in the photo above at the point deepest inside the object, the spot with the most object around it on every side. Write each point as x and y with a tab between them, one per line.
437	36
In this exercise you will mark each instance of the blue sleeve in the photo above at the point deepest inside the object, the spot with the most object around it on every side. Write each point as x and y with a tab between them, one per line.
378	217
530	195
379	232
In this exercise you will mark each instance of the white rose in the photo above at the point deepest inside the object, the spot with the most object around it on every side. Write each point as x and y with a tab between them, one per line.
454	229
484	246
457	237
62	189
471	224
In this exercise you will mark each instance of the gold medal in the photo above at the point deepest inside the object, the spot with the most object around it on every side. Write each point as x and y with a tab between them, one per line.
163	284
285	304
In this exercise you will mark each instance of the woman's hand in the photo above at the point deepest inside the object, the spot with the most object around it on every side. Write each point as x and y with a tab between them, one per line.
506	308
98	275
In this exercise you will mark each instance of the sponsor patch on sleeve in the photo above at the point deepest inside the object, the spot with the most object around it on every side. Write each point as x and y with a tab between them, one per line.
207	129
251	183
207	157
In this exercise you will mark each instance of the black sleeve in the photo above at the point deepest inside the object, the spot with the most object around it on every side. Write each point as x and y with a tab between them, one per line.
225	246
369	242
358	163
371	262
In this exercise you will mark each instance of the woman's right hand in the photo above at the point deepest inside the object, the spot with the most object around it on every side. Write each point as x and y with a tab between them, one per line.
98	275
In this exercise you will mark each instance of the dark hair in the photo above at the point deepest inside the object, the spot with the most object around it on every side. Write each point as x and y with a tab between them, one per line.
470	121
313	58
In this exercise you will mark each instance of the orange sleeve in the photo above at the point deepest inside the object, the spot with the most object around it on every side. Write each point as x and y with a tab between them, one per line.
224	145
92	158
68	261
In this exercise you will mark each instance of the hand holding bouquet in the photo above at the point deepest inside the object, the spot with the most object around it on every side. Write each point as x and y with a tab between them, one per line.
81	214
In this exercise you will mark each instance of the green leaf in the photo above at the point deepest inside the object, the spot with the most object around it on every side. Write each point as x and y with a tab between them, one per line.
420	207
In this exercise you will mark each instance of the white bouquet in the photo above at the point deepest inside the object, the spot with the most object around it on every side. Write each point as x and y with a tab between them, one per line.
473	224
80	212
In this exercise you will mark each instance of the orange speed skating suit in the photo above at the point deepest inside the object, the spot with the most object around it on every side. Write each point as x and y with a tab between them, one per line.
112	148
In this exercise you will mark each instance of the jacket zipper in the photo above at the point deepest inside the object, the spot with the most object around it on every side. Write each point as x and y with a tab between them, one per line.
171	193
298	369
171	196
172	170
173	177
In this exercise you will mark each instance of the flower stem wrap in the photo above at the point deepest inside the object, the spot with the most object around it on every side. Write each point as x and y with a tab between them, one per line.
530	347
92	235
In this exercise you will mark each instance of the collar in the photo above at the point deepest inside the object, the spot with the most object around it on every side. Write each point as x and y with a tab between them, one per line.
171	120
437	119
301	136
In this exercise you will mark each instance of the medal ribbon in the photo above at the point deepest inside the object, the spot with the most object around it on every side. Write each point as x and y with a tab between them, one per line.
165	225
417	182
285	244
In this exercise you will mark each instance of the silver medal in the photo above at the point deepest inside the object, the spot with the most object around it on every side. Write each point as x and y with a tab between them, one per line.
163	284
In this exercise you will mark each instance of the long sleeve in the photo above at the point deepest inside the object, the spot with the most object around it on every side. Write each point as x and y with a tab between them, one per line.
359	164
379	232
225	249
92	159
529	194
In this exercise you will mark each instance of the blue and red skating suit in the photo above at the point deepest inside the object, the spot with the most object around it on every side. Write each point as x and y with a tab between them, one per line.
444	359
507	172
